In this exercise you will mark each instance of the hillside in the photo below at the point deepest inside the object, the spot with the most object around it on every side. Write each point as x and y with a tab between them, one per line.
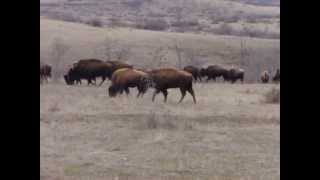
143	47
255	18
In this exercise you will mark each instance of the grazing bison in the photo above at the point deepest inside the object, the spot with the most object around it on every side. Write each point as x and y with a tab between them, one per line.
276	77
213	71
126	78
45	72
234	74
77	79
264	77
167	78
194	71
88	69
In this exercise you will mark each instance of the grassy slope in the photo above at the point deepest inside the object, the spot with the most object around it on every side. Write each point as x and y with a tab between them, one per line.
84	42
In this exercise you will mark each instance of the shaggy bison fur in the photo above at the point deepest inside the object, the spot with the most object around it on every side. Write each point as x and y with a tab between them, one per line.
126	78
167	78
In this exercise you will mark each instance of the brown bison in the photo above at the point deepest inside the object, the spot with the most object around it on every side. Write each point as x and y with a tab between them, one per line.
125	78
213	71
233	74
88	69
276	77
45	72
194	71
167	78
264	77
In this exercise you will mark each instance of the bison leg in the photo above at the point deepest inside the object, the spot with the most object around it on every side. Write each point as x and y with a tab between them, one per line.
183	94
127	90
138	94
154	94
103	79
165	94
121	91
195	79
94	81
89	82
141	91
190	90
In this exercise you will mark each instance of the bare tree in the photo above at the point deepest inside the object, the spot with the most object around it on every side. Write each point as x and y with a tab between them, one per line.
107	47
158	58
58	49
111	49
122	52
179	51
243	50
190	56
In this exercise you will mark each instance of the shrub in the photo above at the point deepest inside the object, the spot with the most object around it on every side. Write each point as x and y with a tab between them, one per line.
64	16
224	28
185	23
95	22
154	24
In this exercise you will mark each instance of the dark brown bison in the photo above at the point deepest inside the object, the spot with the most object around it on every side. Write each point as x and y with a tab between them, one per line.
166	78
45	72
89	69
125	78
213	71
264	77
194	71
276	77
233	74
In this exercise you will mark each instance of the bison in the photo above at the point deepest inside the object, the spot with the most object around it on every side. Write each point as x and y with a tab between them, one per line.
45	72
194	71
77	79
213	71
264	77
276	77
166	78
233	74
89	69
126	78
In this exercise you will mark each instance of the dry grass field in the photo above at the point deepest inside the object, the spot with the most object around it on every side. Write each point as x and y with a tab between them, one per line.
231	133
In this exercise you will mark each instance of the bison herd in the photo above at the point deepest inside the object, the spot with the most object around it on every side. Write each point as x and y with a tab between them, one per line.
123	76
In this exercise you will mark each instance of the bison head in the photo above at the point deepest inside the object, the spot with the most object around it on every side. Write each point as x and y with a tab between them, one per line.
203	72
68	80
